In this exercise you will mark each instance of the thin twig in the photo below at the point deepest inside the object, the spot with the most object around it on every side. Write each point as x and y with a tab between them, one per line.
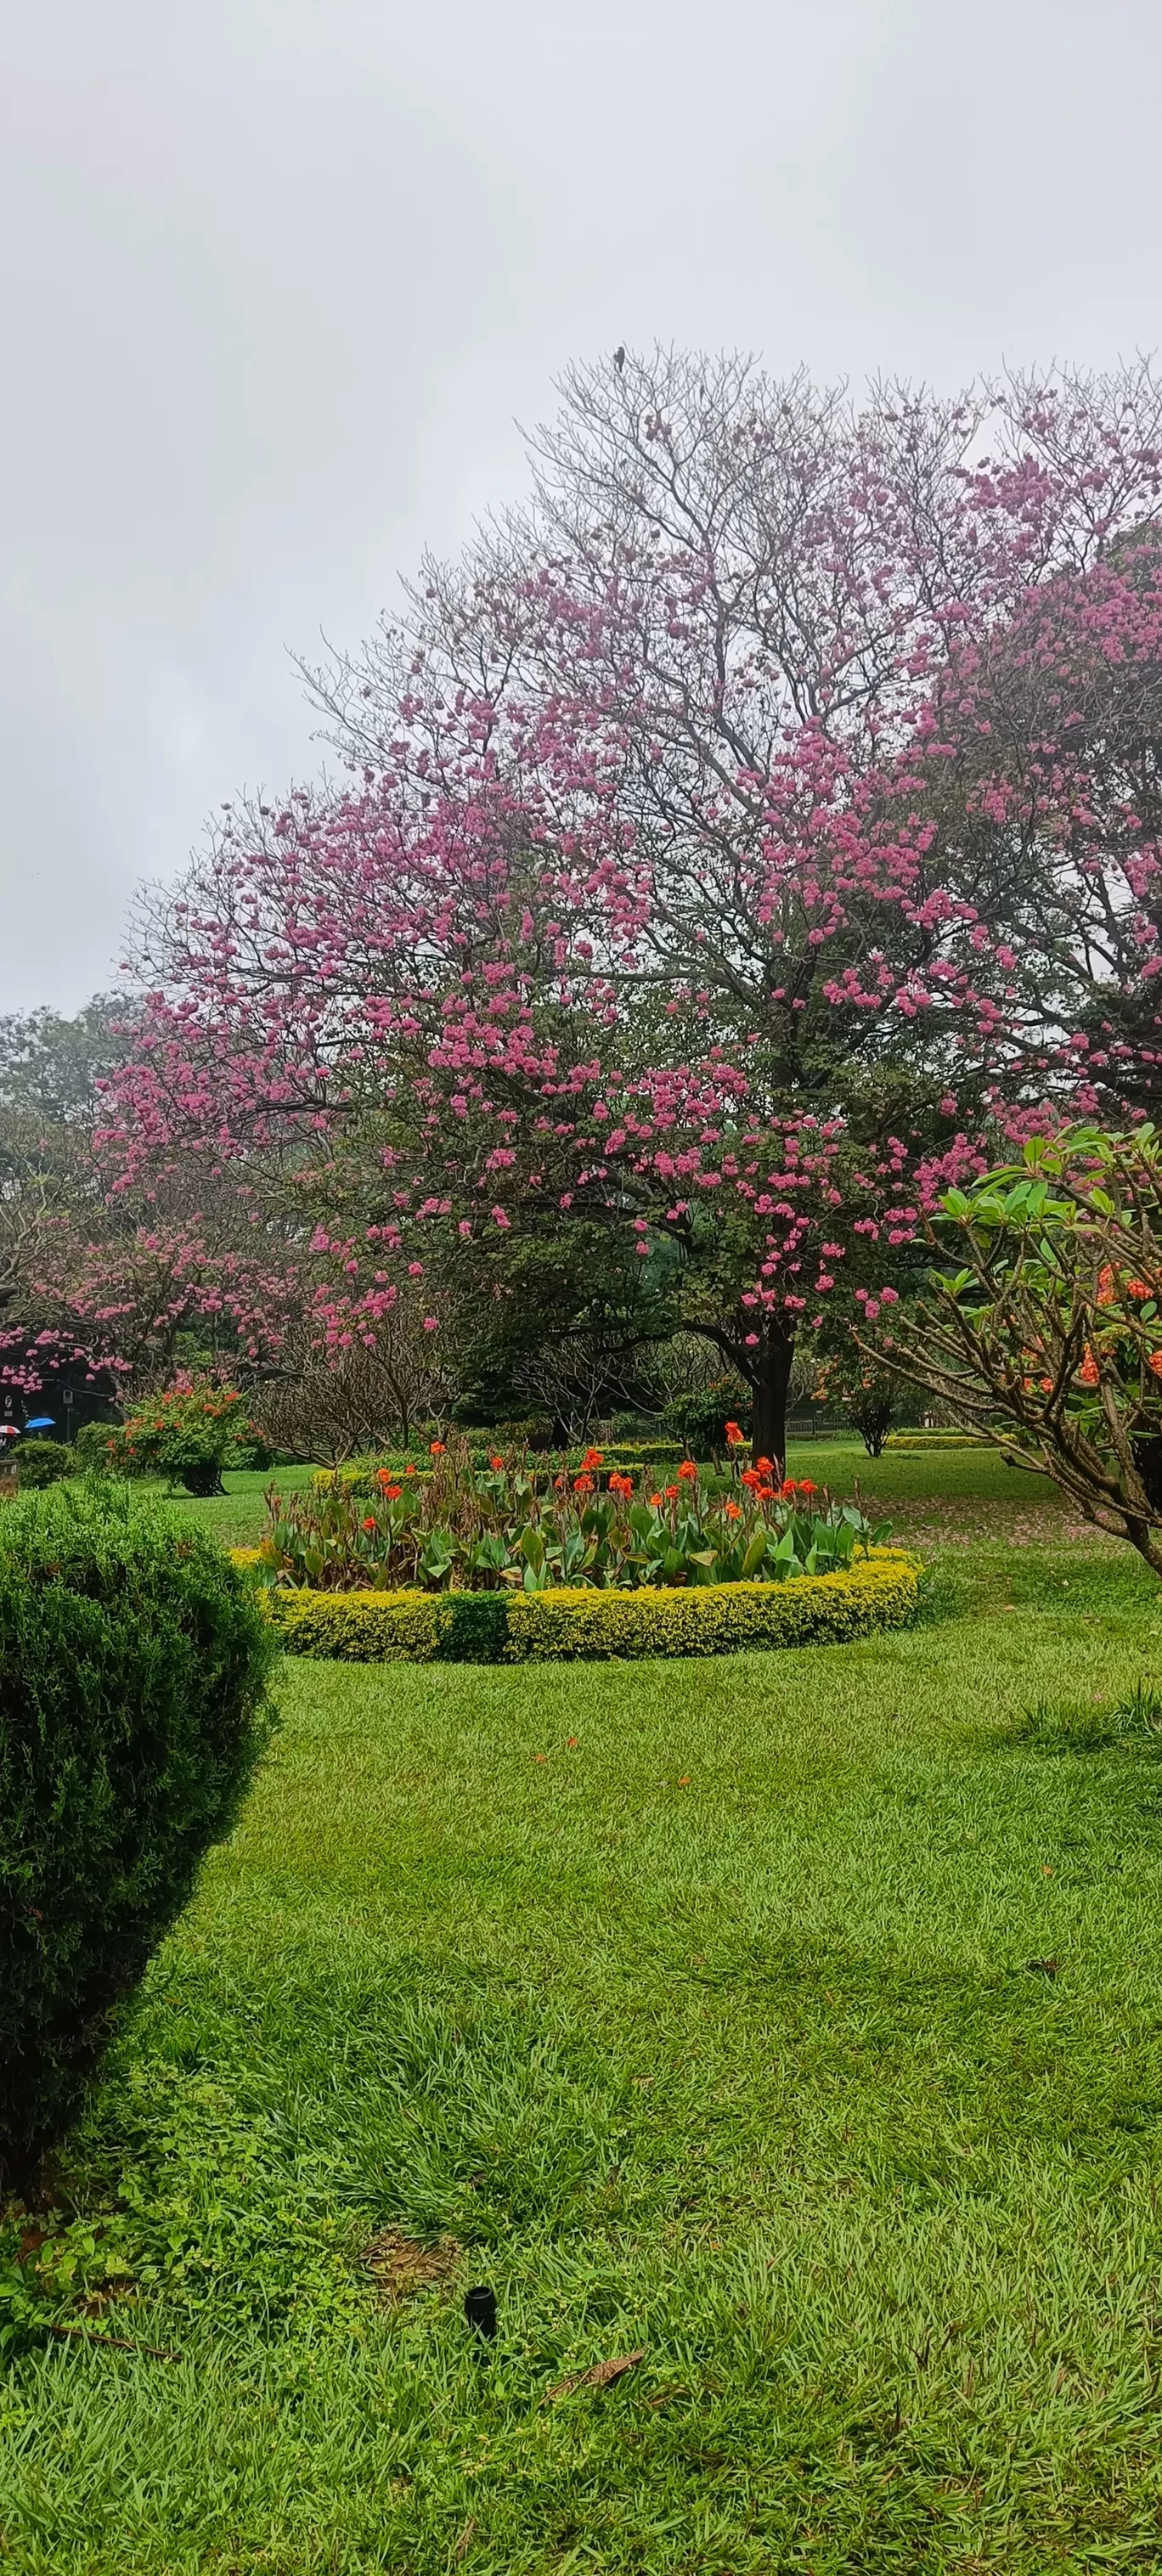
121	2343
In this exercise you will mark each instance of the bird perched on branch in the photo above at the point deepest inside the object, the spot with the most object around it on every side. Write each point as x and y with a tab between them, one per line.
619	358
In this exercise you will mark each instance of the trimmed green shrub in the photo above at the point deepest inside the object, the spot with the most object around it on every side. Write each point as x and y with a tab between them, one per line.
699	1421
472	1627
953	1439
98	1448
133	1665
254	1454
881	1590
360	1627
533	1431
715	1618
642	1453
41	1462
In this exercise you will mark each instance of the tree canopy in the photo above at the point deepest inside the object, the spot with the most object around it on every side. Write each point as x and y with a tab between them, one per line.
728	846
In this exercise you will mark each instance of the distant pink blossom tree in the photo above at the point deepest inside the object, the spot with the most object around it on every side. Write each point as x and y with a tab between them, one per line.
734	840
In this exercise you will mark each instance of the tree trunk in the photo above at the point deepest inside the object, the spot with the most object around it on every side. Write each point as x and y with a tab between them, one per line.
771	1381
1147	1451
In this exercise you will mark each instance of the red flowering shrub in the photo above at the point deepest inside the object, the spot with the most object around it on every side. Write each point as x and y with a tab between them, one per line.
186	1433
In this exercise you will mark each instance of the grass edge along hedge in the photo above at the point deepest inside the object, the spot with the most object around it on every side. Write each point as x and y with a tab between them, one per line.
880	1591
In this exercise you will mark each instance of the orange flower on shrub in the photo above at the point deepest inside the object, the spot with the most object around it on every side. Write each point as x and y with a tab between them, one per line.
582	1484
436	1448
1155	1363
765	1466
735	1439
688	1471
369	1524
672	1493
806	1486
655	1502
1106	1286
733	1511
497	1466
409	1470
621	1484
1089	1372
1138	1288
391	1494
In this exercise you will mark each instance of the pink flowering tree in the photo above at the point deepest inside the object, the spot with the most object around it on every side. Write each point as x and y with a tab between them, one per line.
115	1304
734	841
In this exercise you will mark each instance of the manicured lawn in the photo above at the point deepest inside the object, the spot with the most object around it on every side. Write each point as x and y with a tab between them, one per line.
719	2032
236	1516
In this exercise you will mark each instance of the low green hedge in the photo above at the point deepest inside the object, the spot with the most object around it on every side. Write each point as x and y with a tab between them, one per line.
552	1627
936	1440
361	1475
41	1462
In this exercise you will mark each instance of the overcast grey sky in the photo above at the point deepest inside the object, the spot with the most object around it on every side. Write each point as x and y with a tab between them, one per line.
278	276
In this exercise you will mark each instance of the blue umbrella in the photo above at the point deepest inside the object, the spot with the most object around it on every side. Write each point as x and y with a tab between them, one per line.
43	1422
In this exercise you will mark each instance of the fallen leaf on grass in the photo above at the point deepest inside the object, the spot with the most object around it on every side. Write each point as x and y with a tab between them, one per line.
601	2374
466	2538
1042	1967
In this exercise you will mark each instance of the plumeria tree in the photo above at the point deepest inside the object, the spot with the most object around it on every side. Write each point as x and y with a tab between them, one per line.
733	840
1047	1336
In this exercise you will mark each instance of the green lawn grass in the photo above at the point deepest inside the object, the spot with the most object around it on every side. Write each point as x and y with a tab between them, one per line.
700	2005
235	1516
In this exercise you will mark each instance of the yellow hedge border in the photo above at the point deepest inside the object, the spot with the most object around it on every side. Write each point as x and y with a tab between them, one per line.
879	1592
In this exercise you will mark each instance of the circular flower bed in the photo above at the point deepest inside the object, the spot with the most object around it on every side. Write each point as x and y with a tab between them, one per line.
514	1526
513	1563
